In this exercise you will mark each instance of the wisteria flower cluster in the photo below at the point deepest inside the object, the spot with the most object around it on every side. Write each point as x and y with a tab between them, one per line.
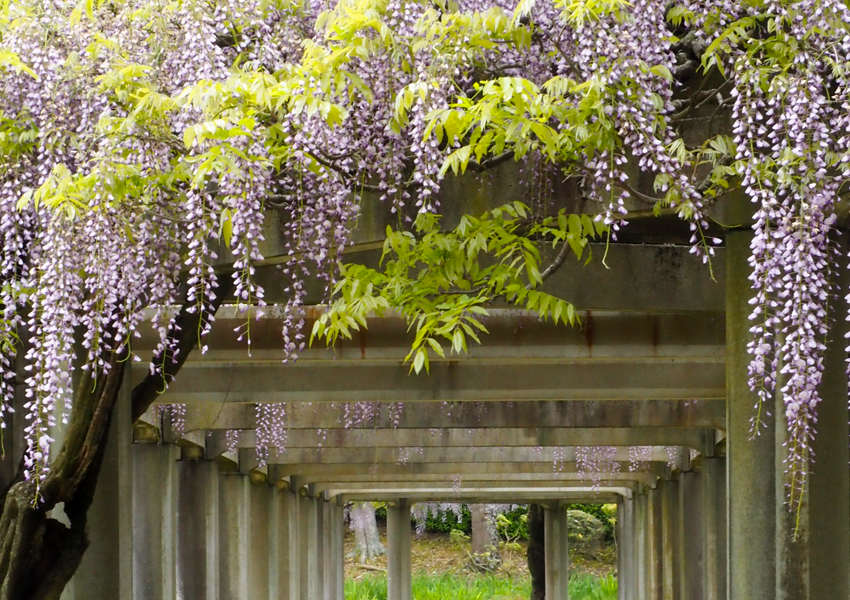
144	144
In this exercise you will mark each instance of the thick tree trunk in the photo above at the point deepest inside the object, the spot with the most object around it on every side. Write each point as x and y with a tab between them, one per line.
38	554
536	552
367	541
485	539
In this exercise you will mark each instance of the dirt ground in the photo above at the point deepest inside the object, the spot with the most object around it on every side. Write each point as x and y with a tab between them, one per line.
436	553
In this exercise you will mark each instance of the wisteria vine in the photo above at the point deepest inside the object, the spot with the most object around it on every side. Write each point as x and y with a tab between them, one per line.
144	144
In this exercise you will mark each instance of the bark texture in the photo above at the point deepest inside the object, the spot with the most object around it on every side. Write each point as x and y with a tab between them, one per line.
367	541
38	554
486	556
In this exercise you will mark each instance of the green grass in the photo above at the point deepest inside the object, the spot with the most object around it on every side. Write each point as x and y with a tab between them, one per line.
454	587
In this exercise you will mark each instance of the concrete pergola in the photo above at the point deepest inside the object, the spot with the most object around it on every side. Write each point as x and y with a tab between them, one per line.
659	360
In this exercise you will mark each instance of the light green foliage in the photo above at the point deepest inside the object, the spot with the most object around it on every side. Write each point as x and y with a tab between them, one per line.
489	587
443	282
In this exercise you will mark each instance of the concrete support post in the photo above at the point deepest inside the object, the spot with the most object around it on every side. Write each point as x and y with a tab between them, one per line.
334	523
641	544
693	535
304	532
233	513
671	542
619	528
626	550
655	571
317	549
197	527
399	584
294	521
812	550
714	519
154	521
106	571
259	542
280	568
751	478
556	552
311	547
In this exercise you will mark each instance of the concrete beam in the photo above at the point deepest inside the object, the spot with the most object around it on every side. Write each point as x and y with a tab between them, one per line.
573	495
674	356
506	437
399	487
590	379
323	482
515	336
641	276
307	457
322	472
429	415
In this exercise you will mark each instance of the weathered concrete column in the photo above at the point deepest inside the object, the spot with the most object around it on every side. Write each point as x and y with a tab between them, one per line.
619	527
557	552
693	535
654	560
154	519
106	571
281	582
751	478
259	538
671	542
627	546
311	545
641	542
812	552
399	584
233	513
197	526
714	519
294	525
334	525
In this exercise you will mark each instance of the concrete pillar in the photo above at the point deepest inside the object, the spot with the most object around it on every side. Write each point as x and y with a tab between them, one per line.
106	571
293	516
399	584
812	552
641	545
557	552
259	532
154	520
671	542
693	536
197	527
334	524
626	550
655	578
714	520
311	546
233	513
281	581
751	478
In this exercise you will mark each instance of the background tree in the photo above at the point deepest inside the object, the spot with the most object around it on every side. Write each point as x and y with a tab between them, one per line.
367	540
